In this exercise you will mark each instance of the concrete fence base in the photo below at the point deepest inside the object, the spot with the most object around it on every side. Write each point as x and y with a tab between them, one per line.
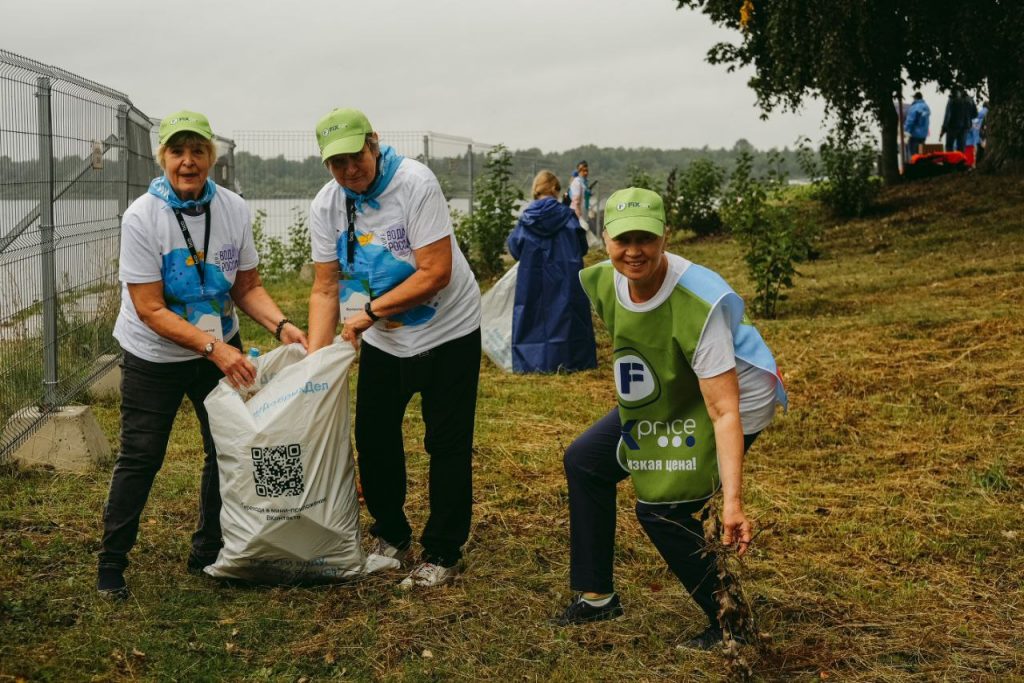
69	440
107	385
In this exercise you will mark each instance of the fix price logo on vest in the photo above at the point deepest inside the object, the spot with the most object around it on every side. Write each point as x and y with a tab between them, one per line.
638	386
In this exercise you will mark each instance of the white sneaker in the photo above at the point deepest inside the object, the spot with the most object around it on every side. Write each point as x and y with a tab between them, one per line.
428	575
376	563
378	546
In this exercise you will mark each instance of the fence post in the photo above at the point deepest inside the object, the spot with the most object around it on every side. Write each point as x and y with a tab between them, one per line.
48	270
426	149
122	140
469	151
232	182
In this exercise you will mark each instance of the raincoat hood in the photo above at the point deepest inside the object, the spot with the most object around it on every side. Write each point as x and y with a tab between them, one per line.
546	216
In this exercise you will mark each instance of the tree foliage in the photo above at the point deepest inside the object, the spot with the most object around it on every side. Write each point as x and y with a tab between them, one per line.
854	55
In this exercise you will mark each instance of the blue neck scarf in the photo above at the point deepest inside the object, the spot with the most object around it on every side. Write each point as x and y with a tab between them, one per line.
161	187
387	165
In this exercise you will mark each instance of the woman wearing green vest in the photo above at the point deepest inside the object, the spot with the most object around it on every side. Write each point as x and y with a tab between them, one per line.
695	384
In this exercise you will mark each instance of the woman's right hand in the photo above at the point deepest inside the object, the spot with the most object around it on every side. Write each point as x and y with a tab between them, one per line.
234	364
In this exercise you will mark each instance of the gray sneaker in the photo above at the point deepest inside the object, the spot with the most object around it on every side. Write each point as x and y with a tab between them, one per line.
428	575
378	546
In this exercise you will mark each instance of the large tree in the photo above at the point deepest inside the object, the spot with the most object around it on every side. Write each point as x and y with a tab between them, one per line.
978	45
854	54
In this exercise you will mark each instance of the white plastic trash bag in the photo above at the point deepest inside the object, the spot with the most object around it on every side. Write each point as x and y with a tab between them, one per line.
290	512
496	319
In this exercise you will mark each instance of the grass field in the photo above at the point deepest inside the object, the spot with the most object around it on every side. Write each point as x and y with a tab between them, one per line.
893	485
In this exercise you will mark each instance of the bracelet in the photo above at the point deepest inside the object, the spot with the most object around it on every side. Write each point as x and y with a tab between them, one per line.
369	311
280	326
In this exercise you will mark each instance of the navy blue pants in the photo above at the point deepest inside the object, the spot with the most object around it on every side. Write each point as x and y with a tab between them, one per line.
151	394
593	473
446	378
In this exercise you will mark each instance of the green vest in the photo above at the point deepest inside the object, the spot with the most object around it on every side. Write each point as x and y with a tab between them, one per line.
668	440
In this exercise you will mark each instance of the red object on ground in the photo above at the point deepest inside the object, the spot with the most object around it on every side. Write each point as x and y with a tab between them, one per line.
969	155
935	163
950	158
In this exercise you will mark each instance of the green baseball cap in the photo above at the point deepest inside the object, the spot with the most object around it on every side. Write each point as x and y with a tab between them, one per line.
184	120
634	209
343	131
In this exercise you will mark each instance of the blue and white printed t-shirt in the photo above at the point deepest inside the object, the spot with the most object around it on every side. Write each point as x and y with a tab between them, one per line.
413	213
153	249
715	352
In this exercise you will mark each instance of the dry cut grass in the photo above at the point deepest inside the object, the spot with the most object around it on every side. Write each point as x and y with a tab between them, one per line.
893	487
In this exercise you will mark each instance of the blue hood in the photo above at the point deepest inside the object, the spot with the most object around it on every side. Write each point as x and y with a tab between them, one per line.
546	216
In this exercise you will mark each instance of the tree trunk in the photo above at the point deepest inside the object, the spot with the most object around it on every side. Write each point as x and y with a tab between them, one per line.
889	121
1004	150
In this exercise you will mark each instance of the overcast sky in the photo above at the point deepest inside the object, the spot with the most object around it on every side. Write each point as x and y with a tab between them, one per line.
552	74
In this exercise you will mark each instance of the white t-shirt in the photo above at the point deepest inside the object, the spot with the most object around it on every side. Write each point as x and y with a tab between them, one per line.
153	249
715	352
413	213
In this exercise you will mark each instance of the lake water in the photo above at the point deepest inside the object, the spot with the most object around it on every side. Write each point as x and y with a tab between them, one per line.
87	250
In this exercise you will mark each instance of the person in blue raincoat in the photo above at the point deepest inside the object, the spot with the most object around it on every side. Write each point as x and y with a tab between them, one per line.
551	325
916	124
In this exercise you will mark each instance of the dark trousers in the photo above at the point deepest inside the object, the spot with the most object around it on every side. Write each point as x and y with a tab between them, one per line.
956	140
912	146
593	473
151	394
446	378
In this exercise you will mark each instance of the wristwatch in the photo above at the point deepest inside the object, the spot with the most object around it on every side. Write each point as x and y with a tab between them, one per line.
208	349
369	311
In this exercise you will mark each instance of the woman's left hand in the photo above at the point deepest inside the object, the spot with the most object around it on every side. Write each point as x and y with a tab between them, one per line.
354	326
736	528
292	334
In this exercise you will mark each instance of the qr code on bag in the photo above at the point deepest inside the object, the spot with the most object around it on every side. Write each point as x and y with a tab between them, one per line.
278	470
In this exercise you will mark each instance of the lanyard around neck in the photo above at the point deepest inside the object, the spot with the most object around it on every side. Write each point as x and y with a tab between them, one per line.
350	214
200	263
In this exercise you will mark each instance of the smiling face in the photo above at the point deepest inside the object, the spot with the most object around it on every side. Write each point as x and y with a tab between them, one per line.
640	257
355	171
187	166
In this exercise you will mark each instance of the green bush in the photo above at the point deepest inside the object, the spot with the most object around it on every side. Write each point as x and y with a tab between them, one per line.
844	178
773	235
280	258
700	192
494	214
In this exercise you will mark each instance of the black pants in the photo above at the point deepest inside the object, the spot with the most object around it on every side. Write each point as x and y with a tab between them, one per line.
593	473
151	394
446	378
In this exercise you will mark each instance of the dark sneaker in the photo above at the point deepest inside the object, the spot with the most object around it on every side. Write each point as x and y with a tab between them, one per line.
197	563
582	612
111	584
709	639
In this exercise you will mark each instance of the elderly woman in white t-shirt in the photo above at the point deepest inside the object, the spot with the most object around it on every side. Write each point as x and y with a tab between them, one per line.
187	259
386	258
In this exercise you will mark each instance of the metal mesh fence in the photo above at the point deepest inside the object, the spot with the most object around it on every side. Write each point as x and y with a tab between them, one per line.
279	172
73	153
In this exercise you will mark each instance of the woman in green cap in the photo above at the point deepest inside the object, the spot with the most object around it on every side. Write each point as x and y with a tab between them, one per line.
388	267
187	259
695	385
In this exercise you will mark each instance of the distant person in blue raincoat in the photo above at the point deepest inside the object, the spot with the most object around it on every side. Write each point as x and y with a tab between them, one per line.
551	325
976	135
916	124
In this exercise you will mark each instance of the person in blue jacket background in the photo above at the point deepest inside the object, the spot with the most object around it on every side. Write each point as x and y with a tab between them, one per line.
551	325
916	124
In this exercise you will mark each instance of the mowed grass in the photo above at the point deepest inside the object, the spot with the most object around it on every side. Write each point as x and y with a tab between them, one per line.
894	486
